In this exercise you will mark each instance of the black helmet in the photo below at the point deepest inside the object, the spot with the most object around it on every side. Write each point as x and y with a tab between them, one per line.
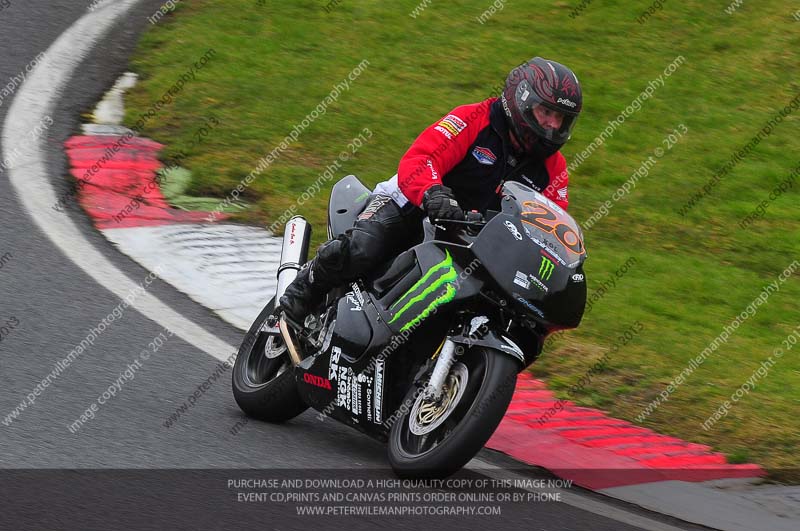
541	82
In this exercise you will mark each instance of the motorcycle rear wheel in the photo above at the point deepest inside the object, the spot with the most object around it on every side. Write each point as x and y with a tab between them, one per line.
263	376
447	445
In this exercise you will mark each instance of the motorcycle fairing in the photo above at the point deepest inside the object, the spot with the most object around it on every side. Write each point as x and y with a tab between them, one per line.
493	339
355	393
363	355
439	279
352	331
528	263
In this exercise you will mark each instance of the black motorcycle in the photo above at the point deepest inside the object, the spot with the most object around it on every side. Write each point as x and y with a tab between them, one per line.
425	352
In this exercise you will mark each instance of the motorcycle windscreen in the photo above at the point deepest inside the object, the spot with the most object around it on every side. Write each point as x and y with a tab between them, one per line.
548	225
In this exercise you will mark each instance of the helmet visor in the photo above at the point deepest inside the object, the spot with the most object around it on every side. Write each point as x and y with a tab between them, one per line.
553	122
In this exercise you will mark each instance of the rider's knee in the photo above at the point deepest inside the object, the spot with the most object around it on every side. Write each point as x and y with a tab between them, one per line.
367	245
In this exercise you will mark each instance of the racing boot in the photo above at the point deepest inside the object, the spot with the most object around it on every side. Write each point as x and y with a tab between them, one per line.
302	296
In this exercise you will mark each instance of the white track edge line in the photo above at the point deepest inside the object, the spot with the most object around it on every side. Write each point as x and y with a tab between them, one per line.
28	173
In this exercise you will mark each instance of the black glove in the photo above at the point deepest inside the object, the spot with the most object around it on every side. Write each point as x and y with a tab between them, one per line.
440	203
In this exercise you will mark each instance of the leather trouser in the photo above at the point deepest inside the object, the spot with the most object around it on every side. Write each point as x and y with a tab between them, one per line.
382	230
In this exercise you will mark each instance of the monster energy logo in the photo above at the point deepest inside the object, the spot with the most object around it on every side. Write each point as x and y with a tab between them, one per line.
546	269
408	301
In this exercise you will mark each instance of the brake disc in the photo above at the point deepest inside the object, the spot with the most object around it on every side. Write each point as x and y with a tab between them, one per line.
426	416
274	347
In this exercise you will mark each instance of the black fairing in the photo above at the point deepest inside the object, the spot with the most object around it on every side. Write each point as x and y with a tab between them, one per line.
352	332
534	252
397	272
445	277
362	376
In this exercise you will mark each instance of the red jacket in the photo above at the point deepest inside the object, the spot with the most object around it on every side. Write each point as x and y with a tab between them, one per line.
469	151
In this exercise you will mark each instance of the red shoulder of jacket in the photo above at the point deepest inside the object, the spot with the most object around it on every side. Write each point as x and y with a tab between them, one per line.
440	147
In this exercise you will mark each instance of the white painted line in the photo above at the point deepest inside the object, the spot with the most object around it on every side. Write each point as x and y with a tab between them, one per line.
111	110
34	102
104	129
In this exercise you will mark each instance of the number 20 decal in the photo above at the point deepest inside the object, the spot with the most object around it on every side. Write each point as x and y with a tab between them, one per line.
543	218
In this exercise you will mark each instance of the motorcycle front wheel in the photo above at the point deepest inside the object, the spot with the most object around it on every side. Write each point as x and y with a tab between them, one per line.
434	440
263	376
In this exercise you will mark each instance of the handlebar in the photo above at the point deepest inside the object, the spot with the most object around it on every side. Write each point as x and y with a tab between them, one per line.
474	217
470	218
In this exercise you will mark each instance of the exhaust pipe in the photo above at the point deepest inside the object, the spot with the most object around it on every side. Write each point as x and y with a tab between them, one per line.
296	238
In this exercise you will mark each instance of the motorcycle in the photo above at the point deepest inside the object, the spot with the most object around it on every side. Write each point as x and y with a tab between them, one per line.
424	352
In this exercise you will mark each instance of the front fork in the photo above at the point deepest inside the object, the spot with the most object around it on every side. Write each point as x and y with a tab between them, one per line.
447	356
478	333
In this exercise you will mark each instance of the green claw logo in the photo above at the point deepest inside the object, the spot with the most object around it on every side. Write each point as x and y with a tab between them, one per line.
546	268
446	279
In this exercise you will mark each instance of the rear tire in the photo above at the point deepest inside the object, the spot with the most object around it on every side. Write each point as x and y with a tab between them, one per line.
265	388
492	376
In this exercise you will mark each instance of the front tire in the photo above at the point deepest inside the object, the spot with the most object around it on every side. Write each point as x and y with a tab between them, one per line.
263	376
444	446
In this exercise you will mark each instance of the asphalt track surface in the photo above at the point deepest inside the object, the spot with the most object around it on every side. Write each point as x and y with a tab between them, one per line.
56	303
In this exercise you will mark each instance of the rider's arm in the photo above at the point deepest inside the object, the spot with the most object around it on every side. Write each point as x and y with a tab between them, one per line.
439	148
557	189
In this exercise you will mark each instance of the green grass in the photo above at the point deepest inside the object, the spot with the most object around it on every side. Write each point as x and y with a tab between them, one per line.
275	64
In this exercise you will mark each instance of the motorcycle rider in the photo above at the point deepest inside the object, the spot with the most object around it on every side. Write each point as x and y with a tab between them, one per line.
455	165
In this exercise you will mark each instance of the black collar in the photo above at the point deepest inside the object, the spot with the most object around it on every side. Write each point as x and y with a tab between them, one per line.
498	121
